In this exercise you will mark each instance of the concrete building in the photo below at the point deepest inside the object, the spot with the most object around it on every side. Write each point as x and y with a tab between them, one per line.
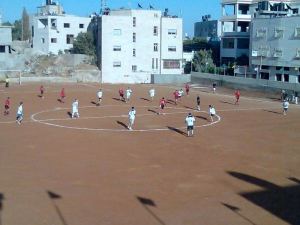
133	44
208	29
52	30
235	20
5	39
275	41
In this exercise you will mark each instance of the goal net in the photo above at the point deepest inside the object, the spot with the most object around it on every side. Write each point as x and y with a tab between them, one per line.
13	75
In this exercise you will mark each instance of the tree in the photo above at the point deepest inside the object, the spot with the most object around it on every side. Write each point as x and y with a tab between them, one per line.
84	43
203	61
195	44
17	30
25	26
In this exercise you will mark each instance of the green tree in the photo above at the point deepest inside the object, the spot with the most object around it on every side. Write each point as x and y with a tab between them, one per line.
195	44
203	61
84	43
25	28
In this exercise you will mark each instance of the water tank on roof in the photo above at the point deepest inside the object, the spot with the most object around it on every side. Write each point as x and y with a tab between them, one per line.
281	6
264	5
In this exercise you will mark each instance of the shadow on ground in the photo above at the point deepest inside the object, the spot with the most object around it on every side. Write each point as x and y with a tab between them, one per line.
282	202
177	130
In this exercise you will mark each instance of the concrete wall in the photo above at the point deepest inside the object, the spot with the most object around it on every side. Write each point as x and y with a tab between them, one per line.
170	78
243	83
5	36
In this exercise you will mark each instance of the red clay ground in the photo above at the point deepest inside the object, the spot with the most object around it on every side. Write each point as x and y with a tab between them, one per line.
243	169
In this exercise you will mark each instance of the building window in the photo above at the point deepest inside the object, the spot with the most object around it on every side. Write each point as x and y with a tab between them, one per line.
117	48
277	53
243	43
152	63
134	21
156	63
155	47
43	40
134	68
297	32
155	15
116	64
70	38
172	48
134	37
117	32
298	53
2	49
66	25
286	78
81	25
261	33
171	64
262	51
53	40
228	43
134	52
279	32
155	31
172	31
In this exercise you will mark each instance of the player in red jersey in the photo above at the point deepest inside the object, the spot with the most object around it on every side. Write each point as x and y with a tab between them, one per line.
6	112
42	89
121	93
187	89
162	104
237	97
63	96
176	97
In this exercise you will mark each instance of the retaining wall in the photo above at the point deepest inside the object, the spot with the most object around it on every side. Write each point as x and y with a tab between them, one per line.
244	83
170	78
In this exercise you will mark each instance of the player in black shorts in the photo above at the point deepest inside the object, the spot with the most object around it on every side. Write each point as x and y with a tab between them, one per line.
198	102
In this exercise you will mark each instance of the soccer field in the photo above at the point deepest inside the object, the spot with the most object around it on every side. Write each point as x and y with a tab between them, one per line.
241	168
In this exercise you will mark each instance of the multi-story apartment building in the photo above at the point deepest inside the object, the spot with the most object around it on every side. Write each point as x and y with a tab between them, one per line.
275	41
208	29
5	39
235	20
53	30
133	44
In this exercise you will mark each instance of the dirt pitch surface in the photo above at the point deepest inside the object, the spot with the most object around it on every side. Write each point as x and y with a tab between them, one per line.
243	168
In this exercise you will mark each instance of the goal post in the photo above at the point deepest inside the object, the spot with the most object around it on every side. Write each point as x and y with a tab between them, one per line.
15	76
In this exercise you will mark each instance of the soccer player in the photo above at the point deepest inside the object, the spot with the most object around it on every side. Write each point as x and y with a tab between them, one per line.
152	93
128	94
189	120
198	102
63	96
214	87
162	104
212	113
121	93
237	97
7	82
6	106
187	89
131	114
42	89
75	109
20	113
296	97
99	97
285	106
176	97
180	93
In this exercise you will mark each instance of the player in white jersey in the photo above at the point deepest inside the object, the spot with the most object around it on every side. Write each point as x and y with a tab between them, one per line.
152	93
189	120
20	113
285	106
128	94
75	109
99	97
180	93
212	113
131	114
